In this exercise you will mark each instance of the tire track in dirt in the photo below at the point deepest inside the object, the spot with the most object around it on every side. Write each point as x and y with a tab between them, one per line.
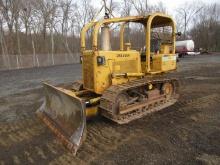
183	109
33	143
40	148
194	104
185	103
29	143
175	130
18	134
105	136
19	131
102	136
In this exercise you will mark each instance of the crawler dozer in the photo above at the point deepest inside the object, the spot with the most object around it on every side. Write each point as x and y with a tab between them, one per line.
121	85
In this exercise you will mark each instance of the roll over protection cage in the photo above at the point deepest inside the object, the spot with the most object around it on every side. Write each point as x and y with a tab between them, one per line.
150	21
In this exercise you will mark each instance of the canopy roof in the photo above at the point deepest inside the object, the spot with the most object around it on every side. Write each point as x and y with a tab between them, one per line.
158	19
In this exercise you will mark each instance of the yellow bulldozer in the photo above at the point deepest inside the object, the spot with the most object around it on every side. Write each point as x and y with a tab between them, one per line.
121	85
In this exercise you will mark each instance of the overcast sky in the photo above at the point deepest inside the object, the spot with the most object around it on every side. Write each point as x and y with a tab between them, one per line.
171	5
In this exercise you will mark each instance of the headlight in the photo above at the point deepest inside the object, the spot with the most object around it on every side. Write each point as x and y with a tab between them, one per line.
101	60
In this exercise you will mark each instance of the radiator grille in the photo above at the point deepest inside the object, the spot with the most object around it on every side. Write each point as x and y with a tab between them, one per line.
88	72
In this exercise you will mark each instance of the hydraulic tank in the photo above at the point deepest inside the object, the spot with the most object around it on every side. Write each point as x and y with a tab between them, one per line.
185	46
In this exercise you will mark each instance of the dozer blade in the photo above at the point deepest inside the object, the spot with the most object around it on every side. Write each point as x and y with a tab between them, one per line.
65	115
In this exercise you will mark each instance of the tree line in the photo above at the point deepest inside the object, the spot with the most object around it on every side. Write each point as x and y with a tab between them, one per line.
200	22
33	27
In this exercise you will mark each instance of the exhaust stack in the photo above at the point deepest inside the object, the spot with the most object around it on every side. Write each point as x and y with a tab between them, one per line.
105	38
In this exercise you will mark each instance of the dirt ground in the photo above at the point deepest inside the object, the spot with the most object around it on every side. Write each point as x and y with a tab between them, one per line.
186	133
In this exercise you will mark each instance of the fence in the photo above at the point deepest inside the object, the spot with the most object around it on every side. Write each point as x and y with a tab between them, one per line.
39	60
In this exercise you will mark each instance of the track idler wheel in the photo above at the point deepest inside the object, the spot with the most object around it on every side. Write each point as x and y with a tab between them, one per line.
167	89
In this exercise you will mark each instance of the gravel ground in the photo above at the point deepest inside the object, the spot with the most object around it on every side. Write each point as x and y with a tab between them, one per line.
16	81
185	133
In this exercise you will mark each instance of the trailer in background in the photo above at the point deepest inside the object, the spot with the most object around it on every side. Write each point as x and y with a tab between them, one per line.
185	47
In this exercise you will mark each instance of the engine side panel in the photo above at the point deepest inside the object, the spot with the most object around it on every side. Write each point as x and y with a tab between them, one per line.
97	77
164	63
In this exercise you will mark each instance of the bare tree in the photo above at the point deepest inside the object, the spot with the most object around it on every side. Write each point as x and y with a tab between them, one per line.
140	6
16	11
27	18
47	11
7	12
53	10
10	12
67	7
2	44
51	27
205	31
160	7
186	13
85	12
5	57
126	8
26	14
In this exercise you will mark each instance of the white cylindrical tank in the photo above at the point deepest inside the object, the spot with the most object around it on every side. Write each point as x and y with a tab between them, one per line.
185	46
